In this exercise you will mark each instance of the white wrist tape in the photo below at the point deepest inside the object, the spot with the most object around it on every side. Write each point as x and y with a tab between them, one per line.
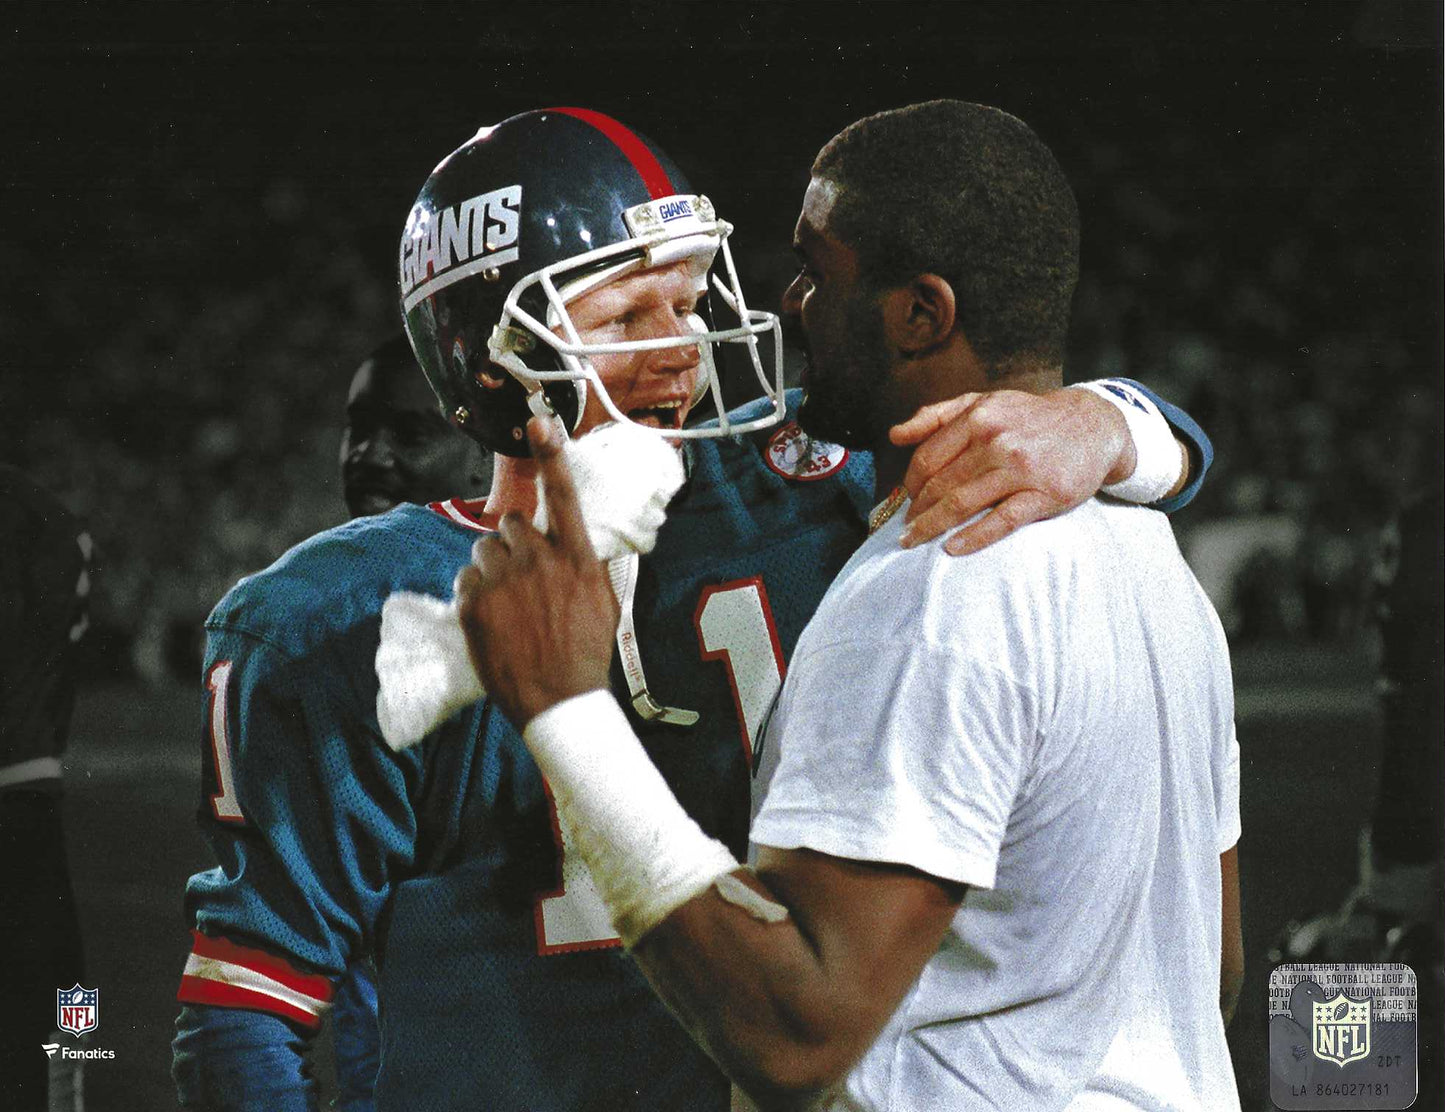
1158	462
647	856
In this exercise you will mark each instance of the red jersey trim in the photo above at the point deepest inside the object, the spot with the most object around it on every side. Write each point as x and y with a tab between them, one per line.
219	971
466	512
199	990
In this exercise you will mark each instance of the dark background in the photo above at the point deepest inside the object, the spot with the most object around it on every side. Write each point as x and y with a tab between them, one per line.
201	212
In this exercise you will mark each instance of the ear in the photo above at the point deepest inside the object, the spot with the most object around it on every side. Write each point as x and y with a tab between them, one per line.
920	314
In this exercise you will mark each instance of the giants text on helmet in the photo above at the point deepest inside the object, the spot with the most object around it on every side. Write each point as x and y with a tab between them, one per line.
481	231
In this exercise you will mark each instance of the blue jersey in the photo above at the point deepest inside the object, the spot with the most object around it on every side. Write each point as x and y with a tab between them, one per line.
501	987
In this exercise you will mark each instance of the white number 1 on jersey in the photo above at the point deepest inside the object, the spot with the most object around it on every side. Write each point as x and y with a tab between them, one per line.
735	625
224	804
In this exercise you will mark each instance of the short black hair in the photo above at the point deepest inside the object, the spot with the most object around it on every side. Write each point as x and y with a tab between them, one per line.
971	194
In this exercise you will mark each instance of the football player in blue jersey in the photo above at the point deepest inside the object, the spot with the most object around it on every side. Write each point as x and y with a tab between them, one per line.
555	263
45	561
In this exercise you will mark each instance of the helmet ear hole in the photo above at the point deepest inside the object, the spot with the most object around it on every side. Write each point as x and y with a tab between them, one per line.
568	400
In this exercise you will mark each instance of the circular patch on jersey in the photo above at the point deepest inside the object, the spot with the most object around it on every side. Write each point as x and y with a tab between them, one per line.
794	454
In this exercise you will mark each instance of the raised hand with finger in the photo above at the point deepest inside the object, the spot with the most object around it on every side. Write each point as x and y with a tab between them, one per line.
536	609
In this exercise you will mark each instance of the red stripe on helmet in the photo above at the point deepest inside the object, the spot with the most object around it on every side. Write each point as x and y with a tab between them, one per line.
653	176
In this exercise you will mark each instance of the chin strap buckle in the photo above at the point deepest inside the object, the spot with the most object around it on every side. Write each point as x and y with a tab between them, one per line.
651	710
622	572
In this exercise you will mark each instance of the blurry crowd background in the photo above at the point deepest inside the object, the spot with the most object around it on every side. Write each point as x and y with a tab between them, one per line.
200	225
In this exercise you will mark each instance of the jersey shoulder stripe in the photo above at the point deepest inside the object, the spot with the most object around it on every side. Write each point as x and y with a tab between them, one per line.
219	971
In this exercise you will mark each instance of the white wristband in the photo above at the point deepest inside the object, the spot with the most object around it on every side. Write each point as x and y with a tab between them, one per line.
647	855
1158	463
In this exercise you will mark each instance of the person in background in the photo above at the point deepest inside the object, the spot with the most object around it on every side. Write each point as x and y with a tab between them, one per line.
44	588
397	447
1396	910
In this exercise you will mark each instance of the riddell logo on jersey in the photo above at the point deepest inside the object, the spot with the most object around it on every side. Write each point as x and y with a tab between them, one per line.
439	247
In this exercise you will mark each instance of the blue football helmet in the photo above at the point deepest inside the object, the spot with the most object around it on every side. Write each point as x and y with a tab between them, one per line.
528	215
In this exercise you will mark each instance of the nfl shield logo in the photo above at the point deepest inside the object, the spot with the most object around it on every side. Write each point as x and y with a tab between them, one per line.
1341	1029
77	1010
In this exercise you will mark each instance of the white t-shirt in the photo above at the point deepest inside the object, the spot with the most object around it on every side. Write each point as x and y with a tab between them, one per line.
1049	721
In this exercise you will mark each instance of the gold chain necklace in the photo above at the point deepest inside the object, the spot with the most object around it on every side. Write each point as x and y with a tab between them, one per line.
886	509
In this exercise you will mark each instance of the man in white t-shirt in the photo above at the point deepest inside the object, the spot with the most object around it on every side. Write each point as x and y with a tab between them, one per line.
995	861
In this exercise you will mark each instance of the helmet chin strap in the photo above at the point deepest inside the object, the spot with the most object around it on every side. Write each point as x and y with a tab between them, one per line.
622	573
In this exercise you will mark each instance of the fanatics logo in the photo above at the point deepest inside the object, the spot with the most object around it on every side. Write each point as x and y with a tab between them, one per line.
77	1010
794	454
